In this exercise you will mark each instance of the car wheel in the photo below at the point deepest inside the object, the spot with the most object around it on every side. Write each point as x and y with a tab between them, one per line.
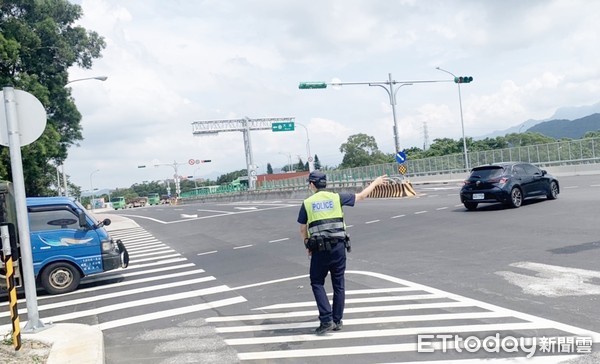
470	205
553	192
59	278
516	197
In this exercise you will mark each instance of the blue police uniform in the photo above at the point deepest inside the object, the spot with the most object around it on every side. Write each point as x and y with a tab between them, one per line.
334	260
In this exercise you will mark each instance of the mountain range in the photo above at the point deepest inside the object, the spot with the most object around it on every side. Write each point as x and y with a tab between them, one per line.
567	122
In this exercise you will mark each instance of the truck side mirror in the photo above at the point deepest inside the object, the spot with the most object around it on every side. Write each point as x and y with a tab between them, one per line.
106	222
82	220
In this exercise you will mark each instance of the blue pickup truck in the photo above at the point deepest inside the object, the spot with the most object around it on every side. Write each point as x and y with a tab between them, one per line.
67	243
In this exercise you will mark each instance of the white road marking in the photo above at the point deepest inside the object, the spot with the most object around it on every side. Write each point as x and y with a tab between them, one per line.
372	221
427	296
364	321
170	313
205	253
441	208
385	333
154	252
553	280
186	216
397	216
570	187
420	212
133	260
242	247
278	240
512	321
137	303
594	185
432	195
217	211
246	208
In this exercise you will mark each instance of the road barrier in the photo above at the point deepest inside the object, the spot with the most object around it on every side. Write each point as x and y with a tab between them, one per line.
394	189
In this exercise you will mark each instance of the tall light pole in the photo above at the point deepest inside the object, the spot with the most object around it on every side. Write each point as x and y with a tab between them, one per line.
458	81
289	160
92	188
99	78
311	165
390	86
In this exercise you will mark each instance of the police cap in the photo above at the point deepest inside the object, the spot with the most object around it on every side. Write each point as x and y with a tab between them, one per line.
318	178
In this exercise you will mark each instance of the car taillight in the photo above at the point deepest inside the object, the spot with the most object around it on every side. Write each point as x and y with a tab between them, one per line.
503	181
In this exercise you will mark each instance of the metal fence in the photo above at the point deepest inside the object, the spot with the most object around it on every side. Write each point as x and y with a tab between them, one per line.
567	152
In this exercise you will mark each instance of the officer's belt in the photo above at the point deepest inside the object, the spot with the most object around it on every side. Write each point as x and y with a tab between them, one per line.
321	243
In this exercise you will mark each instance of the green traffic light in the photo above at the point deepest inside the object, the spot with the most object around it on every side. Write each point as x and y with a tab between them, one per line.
308	85
463	79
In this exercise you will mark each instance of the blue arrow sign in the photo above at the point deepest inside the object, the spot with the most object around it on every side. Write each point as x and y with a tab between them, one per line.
401	157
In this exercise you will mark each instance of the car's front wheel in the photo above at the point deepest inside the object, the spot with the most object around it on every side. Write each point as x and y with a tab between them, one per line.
59	278
516	197
553	191
470	205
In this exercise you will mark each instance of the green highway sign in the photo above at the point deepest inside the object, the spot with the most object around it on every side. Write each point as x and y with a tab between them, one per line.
308	85
287	126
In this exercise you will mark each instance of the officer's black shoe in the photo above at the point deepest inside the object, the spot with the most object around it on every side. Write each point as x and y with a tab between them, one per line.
325	327
337	326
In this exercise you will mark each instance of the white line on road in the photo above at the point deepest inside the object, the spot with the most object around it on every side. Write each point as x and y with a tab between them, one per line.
151	259
242	247
205	253
154	252
386	333
278	240
217	211
427	296
397	216
372	221
570	187
170	313
420	212
365	321
441	208
386	308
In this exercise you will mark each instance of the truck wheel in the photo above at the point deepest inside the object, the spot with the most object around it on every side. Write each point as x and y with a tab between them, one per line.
59	278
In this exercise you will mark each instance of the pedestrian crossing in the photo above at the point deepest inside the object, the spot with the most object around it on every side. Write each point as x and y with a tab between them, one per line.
158	283
383	319
383	324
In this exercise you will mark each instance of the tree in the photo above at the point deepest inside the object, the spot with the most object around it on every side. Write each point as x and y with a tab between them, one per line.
317	162
361	150
39	42
592	134
300	165
269	168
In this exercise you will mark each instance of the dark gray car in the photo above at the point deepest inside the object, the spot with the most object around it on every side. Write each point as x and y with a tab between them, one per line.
509	183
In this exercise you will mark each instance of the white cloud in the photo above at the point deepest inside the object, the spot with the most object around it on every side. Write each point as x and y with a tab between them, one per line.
172	63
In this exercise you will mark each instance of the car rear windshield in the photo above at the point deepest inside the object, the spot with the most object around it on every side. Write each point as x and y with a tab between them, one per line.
487	172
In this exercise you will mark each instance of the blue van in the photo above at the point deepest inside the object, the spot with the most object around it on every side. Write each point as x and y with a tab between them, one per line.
68	243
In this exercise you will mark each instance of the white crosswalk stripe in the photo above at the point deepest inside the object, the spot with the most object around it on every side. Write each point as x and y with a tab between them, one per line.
158	283
382	325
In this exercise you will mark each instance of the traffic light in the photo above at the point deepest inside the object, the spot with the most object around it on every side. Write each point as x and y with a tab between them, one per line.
306	85
205	160
463	79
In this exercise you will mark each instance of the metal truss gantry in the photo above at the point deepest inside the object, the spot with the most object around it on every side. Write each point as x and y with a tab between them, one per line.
245	125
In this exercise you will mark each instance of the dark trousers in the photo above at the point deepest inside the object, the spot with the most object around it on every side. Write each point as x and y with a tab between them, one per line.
321	263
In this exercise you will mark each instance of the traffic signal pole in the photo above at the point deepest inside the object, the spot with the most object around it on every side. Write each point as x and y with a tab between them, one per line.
391	86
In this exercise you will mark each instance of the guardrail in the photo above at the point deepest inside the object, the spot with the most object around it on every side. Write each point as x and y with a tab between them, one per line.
561	153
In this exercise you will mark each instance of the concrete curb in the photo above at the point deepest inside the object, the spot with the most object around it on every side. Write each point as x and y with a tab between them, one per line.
71	343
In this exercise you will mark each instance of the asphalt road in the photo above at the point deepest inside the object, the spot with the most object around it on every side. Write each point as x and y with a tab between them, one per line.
537	264
227	282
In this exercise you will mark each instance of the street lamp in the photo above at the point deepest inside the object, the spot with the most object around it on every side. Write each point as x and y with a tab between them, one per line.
99	78
289	159
92	188
458	81
311	166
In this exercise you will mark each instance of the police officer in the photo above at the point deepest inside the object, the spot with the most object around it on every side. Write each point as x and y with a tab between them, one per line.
324	232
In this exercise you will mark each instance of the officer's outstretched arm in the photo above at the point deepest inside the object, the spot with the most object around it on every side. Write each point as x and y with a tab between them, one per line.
367	191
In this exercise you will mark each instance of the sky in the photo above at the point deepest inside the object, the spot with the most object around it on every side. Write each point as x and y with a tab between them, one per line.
172	63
